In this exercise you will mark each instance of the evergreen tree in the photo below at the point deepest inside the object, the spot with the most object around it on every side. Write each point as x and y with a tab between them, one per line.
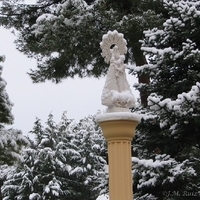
65	163
12	143
92	147
5	103
11	140
168	142
64	35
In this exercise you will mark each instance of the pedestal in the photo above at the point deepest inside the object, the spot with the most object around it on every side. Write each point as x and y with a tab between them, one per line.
119	132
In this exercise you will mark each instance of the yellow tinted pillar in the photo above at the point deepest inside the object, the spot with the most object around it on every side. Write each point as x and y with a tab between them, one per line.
119	134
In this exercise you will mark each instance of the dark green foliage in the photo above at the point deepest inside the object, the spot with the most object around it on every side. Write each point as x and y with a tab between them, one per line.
64	35
169	132
6	116
12	143
66	162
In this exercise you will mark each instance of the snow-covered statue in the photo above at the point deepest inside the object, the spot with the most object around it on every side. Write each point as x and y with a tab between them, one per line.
116	95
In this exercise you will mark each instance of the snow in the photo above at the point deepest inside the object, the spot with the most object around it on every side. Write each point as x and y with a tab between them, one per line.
89	166
150	163
45	17
151	181
11	140
180	169
163	165
138	68
118	116
124	96
47	189
157	51
116	94
103	197
178	105
173	21
76	170
33	196
184	105
96	146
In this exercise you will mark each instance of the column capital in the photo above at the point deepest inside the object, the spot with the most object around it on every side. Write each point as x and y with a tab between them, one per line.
118	126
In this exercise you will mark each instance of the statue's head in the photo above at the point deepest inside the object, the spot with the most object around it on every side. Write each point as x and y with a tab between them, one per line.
113	41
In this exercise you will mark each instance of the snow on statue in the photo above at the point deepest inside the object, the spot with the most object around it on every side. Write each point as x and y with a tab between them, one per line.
116	95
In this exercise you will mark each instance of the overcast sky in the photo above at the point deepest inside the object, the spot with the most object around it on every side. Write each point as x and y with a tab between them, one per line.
79	97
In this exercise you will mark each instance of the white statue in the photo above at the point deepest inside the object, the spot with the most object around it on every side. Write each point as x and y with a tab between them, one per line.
116	95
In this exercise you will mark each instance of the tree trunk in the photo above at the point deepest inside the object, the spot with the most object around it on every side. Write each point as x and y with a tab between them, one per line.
1	184
142	78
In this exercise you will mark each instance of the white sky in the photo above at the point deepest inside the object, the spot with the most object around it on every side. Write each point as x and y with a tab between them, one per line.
79	97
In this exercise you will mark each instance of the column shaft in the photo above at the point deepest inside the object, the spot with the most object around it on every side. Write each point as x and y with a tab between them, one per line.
119	134
120	176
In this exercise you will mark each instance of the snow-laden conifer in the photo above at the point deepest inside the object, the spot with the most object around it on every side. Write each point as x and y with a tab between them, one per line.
167	144
66	161
5	103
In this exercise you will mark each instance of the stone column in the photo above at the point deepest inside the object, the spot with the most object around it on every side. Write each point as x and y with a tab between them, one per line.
117	123
119	134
